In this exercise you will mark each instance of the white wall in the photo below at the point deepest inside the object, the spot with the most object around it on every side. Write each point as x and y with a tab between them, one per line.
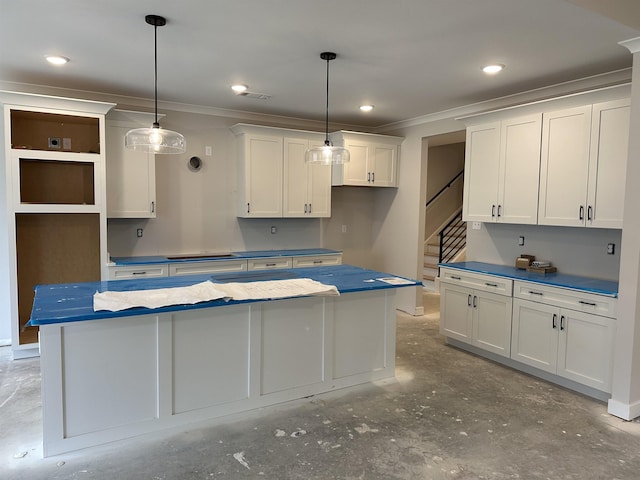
573	250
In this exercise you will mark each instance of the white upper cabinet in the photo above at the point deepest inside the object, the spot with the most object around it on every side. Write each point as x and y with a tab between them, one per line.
564	168
583	167
131	176
373	160
273	178
502	162
307	187
608	163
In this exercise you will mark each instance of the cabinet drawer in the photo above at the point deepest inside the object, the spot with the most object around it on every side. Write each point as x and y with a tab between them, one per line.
196	268
478	281
269	263
138	271
562	297
317	261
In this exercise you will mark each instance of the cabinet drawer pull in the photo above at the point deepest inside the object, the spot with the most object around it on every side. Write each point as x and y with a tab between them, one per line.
562	322
591	304
554	321
138	273
270	264
532	292
315	262
581	212
454	277
490	284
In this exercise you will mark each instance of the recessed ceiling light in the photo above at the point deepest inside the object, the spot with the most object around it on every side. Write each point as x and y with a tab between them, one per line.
493	69
366	108
56	59
239	88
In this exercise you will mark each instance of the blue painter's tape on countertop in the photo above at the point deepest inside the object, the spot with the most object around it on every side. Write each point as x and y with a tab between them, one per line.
608	288
152	259
73	302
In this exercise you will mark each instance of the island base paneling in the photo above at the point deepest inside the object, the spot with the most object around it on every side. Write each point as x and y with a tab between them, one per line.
188	366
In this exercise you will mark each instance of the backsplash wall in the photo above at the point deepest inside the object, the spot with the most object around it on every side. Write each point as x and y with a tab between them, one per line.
573	250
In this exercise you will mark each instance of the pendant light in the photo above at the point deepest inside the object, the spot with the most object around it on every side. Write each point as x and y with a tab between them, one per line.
155	139
327	154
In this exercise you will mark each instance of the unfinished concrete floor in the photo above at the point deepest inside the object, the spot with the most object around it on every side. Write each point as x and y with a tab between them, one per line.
449	415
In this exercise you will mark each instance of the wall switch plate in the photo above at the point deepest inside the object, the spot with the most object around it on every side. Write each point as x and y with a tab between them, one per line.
344	229
521	240
207	151
66	144
611	248
476	225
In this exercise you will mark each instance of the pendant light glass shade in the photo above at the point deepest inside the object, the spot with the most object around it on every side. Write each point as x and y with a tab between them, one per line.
327	154
155	139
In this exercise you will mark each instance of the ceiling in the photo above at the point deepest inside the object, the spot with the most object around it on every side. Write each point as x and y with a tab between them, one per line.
409	58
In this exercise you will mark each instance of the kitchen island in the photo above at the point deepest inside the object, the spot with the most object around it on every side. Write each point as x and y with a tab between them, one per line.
112	375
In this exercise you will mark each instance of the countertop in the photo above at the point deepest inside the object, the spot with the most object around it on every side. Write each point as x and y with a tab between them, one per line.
73	302
149	260
608	288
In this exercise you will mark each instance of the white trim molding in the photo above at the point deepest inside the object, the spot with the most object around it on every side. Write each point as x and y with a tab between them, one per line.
633	44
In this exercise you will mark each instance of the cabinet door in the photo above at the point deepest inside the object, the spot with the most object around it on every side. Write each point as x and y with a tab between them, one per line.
534	336
319	190
608	164
383	167
356	170
519	170
295	201
482	162
585	348
131	178
492	322
564	167
262	176
456	313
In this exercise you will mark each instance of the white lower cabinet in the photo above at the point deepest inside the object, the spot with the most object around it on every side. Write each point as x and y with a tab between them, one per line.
476	317
572	344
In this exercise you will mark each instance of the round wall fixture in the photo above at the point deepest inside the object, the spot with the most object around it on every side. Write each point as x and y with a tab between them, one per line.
195	164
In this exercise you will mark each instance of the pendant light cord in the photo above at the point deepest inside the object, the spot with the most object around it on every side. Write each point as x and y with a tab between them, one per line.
155	71
326	121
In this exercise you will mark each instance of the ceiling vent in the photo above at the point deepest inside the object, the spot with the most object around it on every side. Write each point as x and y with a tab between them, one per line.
259	96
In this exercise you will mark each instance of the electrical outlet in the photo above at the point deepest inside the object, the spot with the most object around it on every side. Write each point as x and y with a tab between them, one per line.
475	225
611	248
139	232
274	230
207	151
344	229
521	240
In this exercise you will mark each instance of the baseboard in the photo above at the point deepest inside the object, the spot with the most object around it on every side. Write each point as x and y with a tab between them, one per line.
626	411
5	342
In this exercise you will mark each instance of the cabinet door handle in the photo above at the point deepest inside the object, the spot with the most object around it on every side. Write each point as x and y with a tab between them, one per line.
153	207
475	301
454	277
368	176
581	212
468	300
493	211
248	209
589	213
309	208
535	293
373	177
554	321
591	304
305	208
499	211
562	322
490	284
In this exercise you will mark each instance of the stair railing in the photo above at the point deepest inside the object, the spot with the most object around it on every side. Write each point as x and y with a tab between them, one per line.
453	238
447	186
